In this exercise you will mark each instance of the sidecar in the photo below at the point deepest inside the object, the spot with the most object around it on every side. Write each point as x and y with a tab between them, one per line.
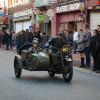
24	59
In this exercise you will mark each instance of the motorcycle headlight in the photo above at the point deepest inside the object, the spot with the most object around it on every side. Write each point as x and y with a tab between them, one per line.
65	49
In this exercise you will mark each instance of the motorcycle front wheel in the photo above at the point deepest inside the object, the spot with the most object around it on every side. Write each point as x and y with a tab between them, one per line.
68	72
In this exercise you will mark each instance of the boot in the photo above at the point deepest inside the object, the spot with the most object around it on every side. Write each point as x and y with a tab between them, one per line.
82	62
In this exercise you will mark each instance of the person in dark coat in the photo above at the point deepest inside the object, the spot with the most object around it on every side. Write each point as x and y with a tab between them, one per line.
1	37
98	52
37	35
29	36
23	37
56	44
58	41
93	49
18	41
98	28
87	38
44	39
10	40
70	38
7	39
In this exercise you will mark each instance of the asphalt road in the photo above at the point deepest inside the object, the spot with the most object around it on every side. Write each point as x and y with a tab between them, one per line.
38	85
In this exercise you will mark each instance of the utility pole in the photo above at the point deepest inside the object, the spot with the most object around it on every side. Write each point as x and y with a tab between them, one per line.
84	12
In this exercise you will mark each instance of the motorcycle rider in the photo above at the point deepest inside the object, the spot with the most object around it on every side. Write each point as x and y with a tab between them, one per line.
35	46
58	42
55	44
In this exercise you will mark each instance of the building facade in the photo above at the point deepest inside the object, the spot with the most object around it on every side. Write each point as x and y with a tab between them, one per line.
68	15
20	13
75	14
94	9
3	14
42	20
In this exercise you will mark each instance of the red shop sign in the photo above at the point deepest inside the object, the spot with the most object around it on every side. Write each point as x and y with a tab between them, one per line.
98	2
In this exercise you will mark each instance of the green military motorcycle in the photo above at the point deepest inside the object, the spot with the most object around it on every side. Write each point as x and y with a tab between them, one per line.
55	63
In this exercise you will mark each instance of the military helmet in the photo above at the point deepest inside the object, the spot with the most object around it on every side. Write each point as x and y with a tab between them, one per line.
35	41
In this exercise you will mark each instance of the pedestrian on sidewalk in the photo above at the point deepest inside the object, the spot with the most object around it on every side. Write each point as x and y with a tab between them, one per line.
1	37
75	38
98	50
81	46
7	38
98	28
93	49
87	39
10	40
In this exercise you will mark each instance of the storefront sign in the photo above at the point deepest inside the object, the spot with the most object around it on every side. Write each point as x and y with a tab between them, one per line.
67	8
40	18
14	3
98	3
23	13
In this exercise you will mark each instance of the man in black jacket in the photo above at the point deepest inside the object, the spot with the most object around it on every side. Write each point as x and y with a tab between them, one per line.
87	47
58	41
98	49
93	49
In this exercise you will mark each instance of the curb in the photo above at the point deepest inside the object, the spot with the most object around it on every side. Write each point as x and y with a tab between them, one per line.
86	71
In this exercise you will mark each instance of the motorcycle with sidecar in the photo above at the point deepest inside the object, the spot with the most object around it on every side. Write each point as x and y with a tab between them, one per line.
59	62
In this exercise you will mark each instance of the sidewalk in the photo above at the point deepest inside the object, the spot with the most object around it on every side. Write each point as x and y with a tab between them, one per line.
77	61
76	64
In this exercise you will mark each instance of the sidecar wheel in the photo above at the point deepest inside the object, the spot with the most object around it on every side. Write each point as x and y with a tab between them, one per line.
17	70
68	73
51	74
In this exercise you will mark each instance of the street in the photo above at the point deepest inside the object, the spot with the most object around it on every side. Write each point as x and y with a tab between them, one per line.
39	86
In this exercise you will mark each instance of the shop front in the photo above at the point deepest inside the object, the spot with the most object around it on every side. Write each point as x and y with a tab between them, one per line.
69	17
94	19
22	20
